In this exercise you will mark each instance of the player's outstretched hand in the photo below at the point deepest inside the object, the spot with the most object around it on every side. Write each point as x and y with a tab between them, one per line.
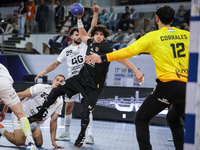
2	116
80	16
40	75
56	146
96	8
93	58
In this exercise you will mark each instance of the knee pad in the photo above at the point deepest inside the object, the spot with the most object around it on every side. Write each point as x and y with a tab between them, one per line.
85	117
53	95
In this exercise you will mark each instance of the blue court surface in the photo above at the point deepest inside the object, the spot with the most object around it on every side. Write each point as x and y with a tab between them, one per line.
107	135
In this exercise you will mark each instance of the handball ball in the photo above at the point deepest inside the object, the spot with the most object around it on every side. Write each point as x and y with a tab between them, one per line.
77	8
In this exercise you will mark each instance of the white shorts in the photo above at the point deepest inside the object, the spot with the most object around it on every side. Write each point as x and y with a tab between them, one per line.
7	92
17	125
75	98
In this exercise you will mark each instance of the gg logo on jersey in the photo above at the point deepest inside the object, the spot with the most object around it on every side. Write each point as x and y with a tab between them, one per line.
76	60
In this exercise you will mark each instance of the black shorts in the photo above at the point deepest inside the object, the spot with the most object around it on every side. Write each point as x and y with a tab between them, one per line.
73	86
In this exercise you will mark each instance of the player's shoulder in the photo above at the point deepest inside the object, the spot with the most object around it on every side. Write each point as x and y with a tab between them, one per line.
67	48
42	86
106	47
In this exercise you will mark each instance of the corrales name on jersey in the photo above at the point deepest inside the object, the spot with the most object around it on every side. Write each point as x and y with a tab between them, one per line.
173	37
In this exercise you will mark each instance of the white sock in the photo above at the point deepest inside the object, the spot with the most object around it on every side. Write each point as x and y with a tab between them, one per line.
25	125
2	131
90	125
68	119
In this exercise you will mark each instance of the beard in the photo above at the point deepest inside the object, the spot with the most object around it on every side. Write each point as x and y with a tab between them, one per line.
76	42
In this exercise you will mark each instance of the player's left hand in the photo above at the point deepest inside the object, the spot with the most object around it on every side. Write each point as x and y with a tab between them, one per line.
56	146
2	116
93	58
96	8
139	77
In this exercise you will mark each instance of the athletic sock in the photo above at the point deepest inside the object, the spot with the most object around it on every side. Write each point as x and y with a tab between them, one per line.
2	131
90	124
26	129
68	119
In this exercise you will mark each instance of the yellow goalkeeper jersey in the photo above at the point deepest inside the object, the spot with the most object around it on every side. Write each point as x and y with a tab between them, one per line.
169	49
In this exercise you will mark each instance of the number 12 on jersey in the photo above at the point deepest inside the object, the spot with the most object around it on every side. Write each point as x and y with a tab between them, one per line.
179	52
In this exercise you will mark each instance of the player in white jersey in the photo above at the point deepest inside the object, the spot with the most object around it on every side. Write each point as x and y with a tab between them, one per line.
74	55
10	98
34	97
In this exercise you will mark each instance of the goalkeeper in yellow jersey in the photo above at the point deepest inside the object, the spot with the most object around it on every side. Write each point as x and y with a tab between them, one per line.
168	46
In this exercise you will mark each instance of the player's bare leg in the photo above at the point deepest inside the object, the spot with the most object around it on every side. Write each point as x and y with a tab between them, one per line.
17	137
25	126
37	136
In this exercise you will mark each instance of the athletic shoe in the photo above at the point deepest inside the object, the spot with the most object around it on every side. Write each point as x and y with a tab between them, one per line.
32	146
63	137
90	140
79	141
170	140
1	126
34	118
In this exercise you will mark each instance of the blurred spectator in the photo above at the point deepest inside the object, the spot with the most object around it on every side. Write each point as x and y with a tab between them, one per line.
186	17
14	24
31	10
113	19
59	14
103	18
134	17
152	29
126	39
67	41
141	34
110	37
57	42
41	16
178	16
117	39
7	20
22	11
87	24
187	28
125	18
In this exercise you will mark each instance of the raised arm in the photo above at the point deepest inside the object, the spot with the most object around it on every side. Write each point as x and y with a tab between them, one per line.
49	69
94	19
53	128
83	34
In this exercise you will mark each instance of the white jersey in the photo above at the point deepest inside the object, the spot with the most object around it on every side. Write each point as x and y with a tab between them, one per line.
74	55
39	93
4	73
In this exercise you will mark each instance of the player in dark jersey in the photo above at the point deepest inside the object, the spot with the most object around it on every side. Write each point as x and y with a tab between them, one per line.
169	47
90	80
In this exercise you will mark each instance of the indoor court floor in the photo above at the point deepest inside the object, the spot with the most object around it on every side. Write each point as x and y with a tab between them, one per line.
108	135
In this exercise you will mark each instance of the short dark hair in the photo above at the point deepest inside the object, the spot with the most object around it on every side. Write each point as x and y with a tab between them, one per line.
72	30
126	7
165	14
101	28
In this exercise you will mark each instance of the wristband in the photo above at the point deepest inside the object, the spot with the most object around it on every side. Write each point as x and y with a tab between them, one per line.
80	24
104	58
